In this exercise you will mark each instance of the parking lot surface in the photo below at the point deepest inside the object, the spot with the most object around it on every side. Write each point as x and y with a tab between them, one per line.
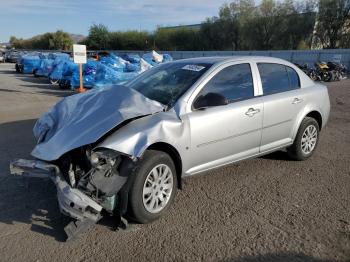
265	209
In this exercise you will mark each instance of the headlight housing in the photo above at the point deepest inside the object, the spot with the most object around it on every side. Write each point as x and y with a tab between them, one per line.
103	156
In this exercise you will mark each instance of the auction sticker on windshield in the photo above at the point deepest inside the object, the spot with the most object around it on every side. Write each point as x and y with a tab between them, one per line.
196	68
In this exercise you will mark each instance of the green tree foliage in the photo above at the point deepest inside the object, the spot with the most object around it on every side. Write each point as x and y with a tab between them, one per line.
130	40
49	41
177	39
98	38
240	25
60	41
332	28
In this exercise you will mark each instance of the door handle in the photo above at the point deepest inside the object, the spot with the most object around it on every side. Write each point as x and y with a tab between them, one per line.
252	111
297	100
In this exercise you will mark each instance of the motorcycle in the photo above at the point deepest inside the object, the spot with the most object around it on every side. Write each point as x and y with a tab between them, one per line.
324	73
339	70
311	72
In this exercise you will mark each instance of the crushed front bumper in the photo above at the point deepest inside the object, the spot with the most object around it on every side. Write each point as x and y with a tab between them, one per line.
72	202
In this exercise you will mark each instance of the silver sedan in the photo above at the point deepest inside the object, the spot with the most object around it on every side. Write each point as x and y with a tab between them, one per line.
125	149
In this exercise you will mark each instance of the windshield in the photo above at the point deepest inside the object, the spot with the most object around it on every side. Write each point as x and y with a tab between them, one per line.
166	83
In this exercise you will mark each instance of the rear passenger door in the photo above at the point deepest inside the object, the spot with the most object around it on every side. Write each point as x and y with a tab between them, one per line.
282	102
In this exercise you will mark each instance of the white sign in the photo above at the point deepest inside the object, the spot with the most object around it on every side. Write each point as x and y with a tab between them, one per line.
79	54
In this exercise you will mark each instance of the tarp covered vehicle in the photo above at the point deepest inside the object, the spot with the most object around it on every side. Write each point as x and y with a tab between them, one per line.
48	64
28	63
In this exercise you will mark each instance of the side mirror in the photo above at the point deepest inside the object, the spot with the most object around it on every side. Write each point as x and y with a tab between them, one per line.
209	100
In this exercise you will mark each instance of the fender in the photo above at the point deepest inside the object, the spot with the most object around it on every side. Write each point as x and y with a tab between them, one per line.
312	105
163	127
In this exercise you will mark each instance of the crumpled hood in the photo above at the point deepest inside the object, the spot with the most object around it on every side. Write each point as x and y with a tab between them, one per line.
82	119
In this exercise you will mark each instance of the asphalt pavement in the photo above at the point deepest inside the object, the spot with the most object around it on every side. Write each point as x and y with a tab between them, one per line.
265	209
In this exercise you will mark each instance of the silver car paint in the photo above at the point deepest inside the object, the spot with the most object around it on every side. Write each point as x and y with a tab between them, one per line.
205	139
82	119
66	195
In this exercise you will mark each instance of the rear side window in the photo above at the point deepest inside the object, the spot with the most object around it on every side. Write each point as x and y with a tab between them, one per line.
234	82
293	78
277	78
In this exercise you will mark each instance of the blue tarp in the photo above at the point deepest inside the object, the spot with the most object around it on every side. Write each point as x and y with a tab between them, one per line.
111	69
61	67
30	63
45	68
132	58
61	56
115	62
167	58
89	72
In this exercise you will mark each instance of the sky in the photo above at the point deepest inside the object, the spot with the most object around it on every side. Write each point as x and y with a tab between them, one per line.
26	18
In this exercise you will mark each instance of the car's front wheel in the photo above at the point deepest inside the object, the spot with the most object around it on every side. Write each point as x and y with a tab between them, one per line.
154	187
306	140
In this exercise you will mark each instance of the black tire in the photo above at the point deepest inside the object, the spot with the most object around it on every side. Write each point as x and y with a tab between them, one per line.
295	150
63	84
313	75
34	73
136	209
327	77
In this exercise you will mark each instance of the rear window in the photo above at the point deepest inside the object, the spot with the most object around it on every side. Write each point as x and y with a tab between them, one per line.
277	78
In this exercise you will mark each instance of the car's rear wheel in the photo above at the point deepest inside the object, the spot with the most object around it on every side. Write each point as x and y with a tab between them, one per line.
154	187
306	140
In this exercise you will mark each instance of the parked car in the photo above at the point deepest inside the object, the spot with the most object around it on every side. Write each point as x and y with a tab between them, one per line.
2	57
12	56
125	149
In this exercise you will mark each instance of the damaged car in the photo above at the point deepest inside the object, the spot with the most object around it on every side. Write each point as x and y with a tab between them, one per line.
125	149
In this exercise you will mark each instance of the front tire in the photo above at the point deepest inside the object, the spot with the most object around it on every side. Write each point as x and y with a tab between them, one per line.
154	187
306	140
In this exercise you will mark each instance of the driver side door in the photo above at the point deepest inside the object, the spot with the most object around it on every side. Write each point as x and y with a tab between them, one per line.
224	134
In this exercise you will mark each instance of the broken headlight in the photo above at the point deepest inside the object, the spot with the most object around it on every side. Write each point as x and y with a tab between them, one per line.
103	179
103	157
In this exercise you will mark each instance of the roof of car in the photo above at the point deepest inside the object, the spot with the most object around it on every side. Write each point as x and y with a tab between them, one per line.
220	59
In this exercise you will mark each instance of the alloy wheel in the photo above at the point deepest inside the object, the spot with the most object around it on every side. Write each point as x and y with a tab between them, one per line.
157	188
309	139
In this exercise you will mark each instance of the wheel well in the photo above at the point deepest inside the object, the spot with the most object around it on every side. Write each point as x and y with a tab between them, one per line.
317	116
175	156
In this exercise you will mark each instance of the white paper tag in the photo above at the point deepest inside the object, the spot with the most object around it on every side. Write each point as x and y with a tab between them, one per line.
195	68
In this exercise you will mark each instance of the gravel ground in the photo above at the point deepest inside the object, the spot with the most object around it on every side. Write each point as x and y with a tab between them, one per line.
266	209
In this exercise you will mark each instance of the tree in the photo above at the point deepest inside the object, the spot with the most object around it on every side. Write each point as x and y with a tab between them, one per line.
228	19
16	42
98	37
60	41
176	39
332	17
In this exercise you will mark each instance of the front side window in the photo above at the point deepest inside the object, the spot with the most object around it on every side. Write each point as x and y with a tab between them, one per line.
277	78
235	83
